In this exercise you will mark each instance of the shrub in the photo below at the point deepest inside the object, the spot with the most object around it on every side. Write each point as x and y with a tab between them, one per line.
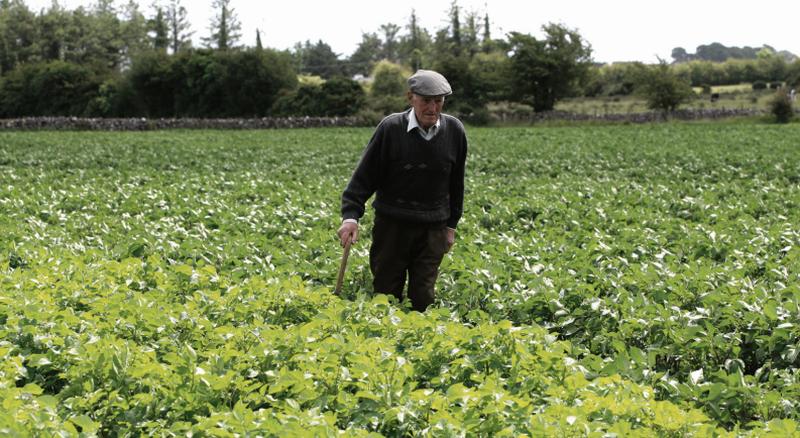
342	97
662	88
781	107
55	88
306	100
775	85
759	85
389	79
230	83
154	83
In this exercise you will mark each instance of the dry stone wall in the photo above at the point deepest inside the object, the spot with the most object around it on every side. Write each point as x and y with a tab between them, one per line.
144	124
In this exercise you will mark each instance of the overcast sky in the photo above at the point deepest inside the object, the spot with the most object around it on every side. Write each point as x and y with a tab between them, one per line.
618	30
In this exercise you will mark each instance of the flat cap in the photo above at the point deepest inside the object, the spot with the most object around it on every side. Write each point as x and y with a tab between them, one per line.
429	83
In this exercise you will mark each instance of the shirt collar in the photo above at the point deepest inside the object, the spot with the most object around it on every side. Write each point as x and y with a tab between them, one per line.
414	123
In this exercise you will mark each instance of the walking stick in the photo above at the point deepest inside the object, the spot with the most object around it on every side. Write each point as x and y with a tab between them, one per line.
343	267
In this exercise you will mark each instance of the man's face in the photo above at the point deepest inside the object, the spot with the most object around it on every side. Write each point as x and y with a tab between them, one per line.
426	108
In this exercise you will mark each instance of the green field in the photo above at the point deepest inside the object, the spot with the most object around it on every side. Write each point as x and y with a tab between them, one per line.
606	281
738	97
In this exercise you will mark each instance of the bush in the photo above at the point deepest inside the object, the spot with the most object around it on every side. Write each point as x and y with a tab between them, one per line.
336	97
662	88
781	107
342	97
759	85
230	83
55	88
389	79
775	85
152	77
306	100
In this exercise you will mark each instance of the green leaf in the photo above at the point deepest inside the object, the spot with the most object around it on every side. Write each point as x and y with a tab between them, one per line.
85	423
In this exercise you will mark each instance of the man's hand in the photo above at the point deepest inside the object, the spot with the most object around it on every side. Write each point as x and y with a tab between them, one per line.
451	238
348	231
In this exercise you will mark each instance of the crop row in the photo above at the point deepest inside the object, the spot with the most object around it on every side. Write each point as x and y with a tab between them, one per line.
629	280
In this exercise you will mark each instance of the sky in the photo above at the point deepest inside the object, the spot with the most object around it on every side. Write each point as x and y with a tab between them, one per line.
618	30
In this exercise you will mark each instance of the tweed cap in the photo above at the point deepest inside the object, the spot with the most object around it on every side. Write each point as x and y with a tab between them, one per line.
429	83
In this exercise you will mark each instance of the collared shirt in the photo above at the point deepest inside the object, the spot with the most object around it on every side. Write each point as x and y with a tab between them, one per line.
414	123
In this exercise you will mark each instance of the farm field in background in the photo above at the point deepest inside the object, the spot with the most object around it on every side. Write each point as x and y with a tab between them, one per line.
629	280
741	96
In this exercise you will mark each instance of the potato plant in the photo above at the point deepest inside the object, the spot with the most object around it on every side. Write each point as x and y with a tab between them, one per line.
606	281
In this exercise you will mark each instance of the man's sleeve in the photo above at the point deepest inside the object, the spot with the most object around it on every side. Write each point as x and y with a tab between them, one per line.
364	181
457	184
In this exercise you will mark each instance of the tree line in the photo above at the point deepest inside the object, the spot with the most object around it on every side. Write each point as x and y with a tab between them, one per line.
110	60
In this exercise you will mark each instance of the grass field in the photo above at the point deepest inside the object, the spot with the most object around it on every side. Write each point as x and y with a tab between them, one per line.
629	280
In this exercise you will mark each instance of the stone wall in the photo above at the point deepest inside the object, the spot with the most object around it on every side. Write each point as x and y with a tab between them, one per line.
143	124
646	117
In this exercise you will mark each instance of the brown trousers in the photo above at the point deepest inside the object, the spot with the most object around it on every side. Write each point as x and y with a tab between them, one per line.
401	249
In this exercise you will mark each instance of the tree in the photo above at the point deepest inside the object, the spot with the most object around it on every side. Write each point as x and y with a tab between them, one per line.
661	87
366	54
387	94
781	106
159	30
17	34
52	32
225	27
179	33
389	49
259	46
679	55
415	44
152	78
133	31
543	71
455	27
342	97
712	52
54	88
317	59
486	43
230	83
489	77
470	34
770	65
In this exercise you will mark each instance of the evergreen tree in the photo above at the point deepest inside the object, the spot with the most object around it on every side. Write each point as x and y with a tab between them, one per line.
17	34
487	33
390	43
225	27
366	54
52	32
455	27
133	31
259	47
317	59
470	34
159	30
179	33
415	44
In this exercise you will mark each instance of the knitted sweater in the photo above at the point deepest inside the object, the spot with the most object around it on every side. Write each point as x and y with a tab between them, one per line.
413	179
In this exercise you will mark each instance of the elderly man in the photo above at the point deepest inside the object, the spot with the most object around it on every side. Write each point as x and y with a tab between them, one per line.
414	164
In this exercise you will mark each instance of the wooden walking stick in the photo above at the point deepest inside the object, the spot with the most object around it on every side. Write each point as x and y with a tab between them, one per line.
343	266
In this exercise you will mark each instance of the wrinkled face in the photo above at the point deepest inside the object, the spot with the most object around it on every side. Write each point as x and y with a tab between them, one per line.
426	108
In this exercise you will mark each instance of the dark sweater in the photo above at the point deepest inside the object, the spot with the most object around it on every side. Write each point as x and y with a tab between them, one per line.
413	179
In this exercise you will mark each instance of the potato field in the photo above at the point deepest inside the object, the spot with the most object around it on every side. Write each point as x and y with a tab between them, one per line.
606	281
